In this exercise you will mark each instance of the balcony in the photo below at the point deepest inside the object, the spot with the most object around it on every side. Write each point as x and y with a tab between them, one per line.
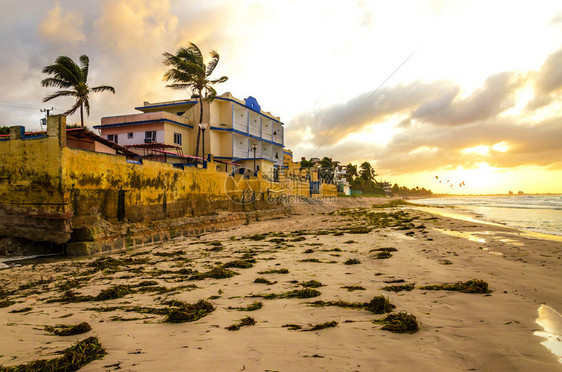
240	153
241	126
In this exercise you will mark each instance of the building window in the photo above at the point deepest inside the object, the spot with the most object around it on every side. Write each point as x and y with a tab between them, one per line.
177	139
112	137
150	136
130	135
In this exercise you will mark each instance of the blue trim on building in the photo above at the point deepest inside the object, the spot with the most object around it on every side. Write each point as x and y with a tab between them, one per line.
37	136
142	122
247	135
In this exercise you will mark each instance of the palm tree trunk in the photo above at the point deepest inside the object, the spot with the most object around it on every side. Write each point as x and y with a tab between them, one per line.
199	128
82	114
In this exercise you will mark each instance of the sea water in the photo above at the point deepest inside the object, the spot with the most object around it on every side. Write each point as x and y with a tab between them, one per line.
539	213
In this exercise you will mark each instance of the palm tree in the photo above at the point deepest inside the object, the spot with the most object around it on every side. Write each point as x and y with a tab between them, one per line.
67	75
189	71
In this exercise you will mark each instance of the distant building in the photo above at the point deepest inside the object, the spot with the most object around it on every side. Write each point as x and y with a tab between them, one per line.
237	132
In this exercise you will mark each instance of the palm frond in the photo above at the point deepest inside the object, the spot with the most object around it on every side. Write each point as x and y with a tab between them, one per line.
103	88
222	79
60	93
73	109
85	62
179	86
55	82
212	63
210	93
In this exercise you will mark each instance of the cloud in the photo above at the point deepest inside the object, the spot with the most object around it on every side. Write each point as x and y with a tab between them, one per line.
493	98
61	28
363	110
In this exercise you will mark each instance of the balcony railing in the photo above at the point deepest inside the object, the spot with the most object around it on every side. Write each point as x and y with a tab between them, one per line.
255	131
239	153
241	126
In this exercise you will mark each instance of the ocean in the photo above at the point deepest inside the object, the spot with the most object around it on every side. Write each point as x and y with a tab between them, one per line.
538	213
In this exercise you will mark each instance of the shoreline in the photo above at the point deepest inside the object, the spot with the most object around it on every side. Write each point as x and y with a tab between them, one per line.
458	331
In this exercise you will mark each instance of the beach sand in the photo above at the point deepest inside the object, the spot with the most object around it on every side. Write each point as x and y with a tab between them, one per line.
458	331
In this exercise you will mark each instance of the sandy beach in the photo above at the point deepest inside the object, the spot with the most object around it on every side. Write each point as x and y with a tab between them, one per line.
457	331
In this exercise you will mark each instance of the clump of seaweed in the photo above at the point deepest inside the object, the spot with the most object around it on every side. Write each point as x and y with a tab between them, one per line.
399	323
351	288
6	303
352	261
311	284
349	242
184	312
315	260
256	305
389	249
392	203
470	286
178	252
309	250
317	327
215	273
256	237
263	281
399	287
296	293
298	239
241	264
111	293
69	330
276	240
22	310
359	230
292	327
275	271
72	359
378	305
383	255
244	322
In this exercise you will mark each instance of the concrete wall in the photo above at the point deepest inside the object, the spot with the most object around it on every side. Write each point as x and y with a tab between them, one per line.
33	203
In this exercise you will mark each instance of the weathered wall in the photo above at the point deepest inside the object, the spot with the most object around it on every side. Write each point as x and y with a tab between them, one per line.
33	204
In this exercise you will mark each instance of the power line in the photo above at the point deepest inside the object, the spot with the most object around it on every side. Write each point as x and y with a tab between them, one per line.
19	104
364	101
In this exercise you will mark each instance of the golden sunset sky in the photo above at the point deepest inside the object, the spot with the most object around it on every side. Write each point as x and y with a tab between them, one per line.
479	98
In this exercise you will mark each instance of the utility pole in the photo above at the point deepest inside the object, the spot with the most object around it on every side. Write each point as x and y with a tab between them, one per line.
48	111
44	121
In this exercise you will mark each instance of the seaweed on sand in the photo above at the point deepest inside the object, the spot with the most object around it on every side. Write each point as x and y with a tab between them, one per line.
69	330
72	359
256	305
351	288
352	261
275	271
377	305
264	281
215	273
317	327
399	287
244	322
241	264
399	323
311	284
297	293
470	286
183	312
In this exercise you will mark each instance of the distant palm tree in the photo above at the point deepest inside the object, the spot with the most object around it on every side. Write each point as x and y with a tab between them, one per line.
189	71
68	75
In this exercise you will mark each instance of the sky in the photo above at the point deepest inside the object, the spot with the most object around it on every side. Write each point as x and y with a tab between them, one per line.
426	91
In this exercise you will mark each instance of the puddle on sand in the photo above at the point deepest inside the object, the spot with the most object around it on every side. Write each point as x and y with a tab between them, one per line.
463	234
551	321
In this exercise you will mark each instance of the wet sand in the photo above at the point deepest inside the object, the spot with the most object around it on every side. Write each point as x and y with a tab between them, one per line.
458	331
